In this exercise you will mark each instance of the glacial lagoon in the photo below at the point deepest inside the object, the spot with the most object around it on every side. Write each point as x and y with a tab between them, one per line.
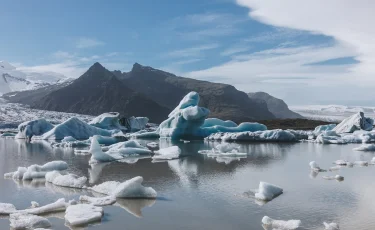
199	192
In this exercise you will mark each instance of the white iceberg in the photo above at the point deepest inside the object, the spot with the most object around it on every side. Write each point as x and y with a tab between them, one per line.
225	153
98	155
331	226
132	188
36	171
267	191
276	135
6	209
82	214
355	122
369	147
109	120
330	137
281	224
75	128
98	201
27	221
68	180
169	153
28	129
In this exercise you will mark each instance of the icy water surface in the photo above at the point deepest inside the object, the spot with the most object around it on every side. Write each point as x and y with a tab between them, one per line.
197	192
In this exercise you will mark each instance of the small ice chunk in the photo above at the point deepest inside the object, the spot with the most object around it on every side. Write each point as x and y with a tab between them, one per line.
82	214
341	162
28	221
98	155
132	188
36	171
34	204
361	163
169	153
315	167
331	226
6	209
98	201
267	191
335	168
152	145
369	147
68	139
337	177
69	180
59	205
373	160
281	224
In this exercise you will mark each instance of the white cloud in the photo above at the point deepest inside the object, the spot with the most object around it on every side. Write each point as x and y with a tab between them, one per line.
68	68
85	42
196	51
235	50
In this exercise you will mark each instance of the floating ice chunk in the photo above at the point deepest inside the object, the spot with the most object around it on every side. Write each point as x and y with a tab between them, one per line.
373	160
59	205
370	147
224	151
75	128
132	188
98	155
128	148
361	163
331	226
98	201
337	177
169	153
136	123
82	214
34	204
185	142
103	140
8	134
28	129
6	209
68	139
321	128
109	120
153	145
82	152
36	171
355	122
315	167
330	137
27	221
268	191
209	122
281	224
69	180
341	162
276	135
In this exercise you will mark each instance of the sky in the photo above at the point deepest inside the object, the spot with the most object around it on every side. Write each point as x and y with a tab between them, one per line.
305	52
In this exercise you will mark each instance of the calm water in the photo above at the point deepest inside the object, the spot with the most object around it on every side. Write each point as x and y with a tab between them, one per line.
196	192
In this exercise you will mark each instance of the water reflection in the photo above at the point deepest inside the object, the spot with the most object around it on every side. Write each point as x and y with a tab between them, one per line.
135	206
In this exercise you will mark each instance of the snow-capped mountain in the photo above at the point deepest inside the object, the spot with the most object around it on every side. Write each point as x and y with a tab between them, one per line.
12	79
332	113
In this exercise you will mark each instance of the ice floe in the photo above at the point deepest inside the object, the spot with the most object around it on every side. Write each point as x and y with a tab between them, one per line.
170	153
225	153
36	171
68	180
98	201
83	214
28	129
331	226
267	191
270	223
27	221
132	188
355	122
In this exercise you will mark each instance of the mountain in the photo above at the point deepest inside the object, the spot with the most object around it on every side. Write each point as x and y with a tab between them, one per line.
275	105
98	91
224	101
12	79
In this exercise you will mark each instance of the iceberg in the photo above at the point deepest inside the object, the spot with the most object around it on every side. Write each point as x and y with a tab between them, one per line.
6	209
69	180
27	221
83	214
370	147
75	128
315	167
98	201
36	171
109	121
225	153
277	135
321	128
188	122
134	124
28	129
331	226
281	224
132	188
355	122
169	153
268	191
98	155
330	137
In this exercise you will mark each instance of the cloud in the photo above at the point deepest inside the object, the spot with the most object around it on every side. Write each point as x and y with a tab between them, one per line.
235	50
85	42
196	51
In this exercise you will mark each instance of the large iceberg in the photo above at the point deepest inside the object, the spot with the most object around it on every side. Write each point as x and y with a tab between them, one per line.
132	188
188	121
75	128
36	171
355	122
28	129
277	135
109	120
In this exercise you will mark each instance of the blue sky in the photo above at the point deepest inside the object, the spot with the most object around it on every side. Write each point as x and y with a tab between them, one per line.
285	49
